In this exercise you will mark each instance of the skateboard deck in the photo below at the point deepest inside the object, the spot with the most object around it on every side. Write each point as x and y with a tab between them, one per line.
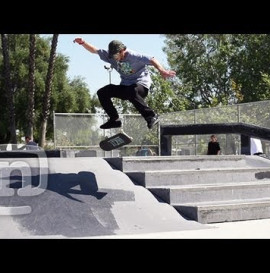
116	141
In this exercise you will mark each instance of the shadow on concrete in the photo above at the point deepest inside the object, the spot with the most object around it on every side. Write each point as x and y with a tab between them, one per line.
82	183
71	205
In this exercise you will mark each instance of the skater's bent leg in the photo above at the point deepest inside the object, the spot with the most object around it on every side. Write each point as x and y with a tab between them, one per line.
105	95
137	95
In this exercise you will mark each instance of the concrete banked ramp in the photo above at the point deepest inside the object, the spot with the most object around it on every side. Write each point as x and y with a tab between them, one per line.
82	197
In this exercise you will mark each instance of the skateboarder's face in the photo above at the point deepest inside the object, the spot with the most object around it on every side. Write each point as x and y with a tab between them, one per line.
119	55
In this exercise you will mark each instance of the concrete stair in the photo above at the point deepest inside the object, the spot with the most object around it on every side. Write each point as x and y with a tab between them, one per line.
207	189
200	176
226	211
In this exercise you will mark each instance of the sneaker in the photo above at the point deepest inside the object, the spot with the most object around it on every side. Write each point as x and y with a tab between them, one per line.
111	124
151	122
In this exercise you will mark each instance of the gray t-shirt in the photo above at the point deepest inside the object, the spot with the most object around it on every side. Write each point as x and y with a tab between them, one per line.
133	69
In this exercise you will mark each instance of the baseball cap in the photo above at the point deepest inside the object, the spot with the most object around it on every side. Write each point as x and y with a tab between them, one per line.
114	47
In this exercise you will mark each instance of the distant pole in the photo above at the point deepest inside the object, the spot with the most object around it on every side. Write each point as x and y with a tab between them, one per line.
109	69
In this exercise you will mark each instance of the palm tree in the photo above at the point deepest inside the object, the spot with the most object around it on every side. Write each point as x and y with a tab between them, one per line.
31	85
8	89
47	94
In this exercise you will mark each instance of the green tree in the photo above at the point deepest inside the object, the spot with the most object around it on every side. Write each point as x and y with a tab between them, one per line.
47	93
164	97
201	63
250	67
83	101
66	95
214	69
8	88
31	85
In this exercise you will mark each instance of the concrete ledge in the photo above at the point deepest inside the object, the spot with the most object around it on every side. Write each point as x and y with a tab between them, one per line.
199	176
29	154
233	210
205	193
217	128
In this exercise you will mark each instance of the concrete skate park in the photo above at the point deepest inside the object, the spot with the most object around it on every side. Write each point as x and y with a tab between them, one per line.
83	194
85	197
133	197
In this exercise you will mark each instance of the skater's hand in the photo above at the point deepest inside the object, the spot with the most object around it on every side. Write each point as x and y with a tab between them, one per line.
167	73
79	40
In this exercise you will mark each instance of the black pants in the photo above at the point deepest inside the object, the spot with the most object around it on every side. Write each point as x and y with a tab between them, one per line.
134	93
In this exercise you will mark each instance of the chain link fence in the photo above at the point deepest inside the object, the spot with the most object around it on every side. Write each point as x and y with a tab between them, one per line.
81	131
255	113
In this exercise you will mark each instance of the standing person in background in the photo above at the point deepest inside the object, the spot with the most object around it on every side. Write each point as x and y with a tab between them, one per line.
135	80
144	151
213	146
30	144
255	146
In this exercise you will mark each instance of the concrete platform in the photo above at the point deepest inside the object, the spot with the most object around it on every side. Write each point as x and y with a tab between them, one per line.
255	229
79	198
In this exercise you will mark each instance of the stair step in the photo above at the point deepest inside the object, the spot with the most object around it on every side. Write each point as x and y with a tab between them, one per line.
207	192
226	211
199	176
143	163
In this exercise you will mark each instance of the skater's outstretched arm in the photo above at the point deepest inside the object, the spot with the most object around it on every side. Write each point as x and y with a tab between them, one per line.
164	73
86	45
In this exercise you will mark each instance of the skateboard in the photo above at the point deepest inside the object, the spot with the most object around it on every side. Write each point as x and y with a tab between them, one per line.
116	141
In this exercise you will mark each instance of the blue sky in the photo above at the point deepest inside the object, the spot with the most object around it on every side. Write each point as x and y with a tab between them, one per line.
91	68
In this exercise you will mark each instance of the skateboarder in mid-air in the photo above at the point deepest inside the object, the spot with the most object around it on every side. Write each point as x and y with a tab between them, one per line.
135	80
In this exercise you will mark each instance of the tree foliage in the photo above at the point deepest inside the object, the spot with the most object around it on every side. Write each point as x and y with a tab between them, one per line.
8	90
67	95
214	69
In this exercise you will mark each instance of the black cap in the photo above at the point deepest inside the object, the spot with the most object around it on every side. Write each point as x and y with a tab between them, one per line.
114	47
